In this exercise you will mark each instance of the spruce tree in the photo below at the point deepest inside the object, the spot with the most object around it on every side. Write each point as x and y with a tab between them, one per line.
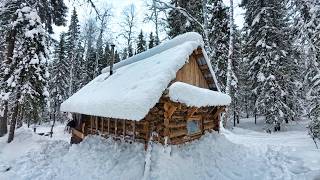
307	30
24	79
179	23
268	49
90	59
59	82
219	39
26	70
151	41
141	45
72	39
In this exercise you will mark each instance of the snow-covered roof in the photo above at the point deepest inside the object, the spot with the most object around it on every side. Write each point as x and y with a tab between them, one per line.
137	82
195	96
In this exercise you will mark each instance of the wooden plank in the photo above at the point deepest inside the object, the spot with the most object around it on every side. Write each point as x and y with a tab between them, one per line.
97	125
191	73
108	125
134	130
124	128
102	126
91	124
178	133
174	125
77	133
169	109
115	127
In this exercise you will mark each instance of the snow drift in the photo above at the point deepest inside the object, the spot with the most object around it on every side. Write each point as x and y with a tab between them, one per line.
212	157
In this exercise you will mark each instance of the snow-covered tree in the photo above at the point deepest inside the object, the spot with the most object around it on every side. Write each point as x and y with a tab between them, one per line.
307	22
219	39
185	17
268	49
26	70
59	82
72	39
90	55
24	76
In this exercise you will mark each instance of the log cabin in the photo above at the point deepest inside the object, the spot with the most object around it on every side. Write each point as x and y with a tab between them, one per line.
168	94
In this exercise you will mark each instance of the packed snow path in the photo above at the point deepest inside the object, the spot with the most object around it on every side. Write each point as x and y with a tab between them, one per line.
240	154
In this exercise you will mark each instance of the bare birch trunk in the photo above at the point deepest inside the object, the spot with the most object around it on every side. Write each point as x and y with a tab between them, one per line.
229	65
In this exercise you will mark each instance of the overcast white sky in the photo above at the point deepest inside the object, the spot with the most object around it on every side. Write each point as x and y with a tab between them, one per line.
117	6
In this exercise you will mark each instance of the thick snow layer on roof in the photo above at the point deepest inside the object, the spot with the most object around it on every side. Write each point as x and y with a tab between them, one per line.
134	88
137	83
195	96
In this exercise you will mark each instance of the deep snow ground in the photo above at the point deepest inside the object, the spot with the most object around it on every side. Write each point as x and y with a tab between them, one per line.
233	154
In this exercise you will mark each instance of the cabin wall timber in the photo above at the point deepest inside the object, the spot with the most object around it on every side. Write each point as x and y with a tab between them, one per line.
166	122
190	73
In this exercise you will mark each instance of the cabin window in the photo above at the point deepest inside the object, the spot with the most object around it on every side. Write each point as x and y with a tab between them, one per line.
193	127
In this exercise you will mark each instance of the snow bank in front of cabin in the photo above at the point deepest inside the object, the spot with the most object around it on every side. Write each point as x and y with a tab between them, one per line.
214	156
195	96
135	88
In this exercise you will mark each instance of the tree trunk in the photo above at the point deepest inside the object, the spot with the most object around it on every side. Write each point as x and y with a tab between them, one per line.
229	65
11	39
20	118
54	121
13	121
4	120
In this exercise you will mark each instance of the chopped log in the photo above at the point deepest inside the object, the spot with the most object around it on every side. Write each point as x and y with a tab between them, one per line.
169	109
77	133
191	112
177	125
178	133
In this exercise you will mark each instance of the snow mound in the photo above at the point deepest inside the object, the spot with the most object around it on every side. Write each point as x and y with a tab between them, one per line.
136	86
195	96
212	157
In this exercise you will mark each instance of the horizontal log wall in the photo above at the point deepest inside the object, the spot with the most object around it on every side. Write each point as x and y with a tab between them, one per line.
176	122
166	120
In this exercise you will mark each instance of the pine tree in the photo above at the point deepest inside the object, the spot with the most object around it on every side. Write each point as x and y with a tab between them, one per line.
179	23
151	41
72	39
79	67
24	79
141	45
99	55
307	30
90	59
219	40
59	83
106	57
26	71
268	49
